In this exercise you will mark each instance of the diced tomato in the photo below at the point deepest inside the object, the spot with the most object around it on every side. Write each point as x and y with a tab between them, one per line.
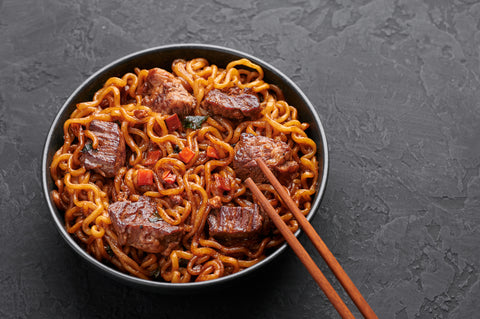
225	185
186	155
144	177
152	157
173	122
168	177
222	183
212	152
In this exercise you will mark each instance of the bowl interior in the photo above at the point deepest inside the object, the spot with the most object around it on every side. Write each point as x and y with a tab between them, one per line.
162	57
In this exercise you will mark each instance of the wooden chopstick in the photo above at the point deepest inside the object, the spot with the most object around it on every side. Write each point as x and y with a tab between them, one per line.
326	254
302	254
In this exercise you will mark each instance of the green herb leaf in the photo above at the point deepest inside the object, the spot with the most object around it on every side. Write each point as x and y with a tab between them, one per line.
194	122
87	147
155	218
109	250
156	273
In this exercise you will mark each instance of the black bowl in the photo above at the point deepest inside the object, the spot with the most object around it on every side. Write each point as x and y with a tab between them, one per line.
162	57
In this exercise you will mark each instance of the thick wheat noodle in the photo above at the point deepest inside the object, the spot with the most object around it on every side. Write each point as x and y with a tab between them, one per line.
85	196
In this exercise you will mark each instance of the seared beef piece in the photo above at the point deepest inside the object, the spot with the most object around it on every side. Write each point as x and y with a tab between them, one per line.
164	93
109	156
236	225
276	155
233	103
137	224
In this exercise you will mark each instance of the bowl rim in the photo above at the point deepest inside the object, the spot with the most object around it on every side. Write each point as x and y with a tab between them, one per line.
157	285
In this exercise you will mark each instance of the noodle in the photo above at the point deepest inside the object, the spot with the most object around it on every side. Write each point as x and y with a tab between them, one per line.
85	195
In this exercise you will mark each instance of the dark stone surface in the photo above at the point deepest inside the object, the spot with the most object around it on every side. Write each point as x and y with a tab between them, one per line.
397	86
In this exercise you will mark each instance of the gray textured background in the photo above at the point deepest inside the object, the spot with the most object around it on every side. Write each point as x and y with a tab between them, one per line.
396	84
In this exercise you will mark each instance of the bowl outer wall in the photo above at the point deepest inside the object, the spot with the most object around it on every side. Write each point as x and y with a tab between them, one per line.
162	57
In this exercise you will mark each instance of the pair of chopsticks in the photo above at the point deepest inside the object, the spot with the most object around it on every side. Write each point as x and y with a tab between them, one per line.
303	255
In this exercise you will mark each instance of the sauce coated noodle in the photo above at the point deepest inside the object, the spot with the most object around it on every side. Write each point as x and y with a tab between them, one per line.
85	196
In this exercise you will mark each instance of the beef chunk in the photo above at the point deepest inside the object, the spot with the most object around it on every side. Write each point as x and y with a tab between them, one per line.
109	156
164	93
233	103
276	155
236	225
137	224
